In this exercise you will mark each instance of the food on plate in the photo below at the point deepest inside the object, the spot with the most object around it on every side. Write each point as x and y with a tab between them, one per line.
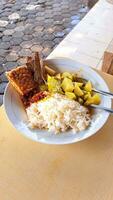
52	100
70	95
88	87
53	84
22	80
49	71
67	85
78	91
67	75
34	64
95	99
57	114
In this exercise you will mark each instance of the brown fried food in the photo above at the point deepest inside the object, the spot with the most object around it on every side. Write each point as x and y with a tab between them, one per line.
26	99
34	63
38	96
32	97
29	63
50	71
40	69
22	79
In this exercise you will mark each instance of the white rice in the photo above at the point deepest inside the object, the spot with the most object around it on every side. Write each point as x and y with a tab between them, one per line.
57	114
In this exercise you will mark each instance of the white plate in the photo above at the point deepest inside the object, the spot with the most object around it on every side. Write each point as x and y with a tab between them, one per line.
17	114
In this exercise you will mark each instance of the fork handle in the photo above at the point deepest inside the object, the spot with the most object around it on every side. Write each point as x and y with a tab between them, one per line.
101	108
109	94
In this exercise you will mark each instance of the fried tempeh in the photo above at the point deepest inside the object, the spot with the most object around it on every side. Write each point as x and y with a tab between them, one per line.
22	79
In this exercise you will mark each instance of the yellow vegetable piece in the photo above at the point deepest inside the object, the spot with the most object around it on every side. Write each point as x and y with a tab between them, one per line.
88	86
78	91
53	84
48	78
79	84
67	85
95	99
88	102
70	95
87	96
67	75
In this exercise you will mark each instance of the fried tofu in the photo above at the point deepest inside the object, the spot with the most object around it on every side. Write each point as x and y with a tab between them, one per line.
21	78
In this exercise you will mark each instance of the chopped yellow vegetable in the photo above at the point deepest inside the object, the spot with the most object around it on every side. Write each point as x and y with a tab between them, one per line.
95	99
53	84
70	95
73	87
78	91
67	75
79	84
87	96
67	85
88	86
48	77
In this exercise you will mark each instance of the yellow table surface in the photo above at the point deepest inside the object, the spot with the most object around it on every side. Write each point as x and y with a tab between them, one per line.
34	171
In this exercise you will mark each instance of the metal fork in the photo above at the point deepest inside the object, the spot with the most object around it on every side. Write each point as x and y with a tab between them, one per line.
101	108
109	94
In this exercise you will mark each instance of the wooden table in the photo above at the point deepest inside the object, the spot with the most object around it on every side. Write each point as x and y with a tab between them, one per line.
34	171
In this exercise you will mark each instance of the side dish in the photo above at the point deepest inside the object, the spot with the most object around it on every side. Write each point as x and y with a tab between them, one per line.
53	101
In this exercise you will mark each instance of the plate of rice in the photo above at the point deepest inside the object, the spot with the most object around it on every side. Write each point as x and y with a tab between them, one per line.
62	116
